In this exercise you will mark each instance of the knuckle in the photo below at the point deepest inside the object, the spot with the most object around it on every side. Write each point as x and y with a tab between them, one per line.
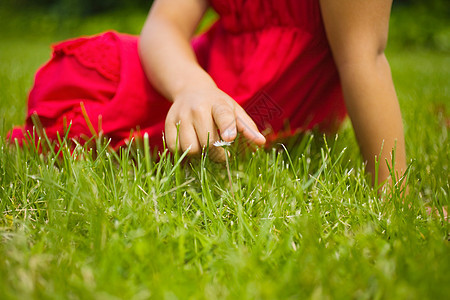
224	118
199	110
171	121
223	109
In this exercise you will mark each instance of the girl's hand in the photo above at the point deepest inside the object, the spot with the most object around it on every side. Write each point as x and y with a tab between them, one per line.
200	108
207	113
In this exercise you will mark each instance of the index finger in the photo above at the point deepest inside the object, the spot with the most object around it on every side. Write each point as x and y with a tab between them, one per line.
247	126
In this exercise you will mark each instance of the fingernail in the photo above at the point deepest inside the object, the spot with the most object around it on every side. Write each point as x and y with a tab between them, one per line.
228	133
261	136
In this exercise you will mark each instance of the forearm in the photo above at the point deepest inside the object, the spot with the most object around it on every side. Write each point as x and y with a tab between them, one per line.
168	58
201	113
375	113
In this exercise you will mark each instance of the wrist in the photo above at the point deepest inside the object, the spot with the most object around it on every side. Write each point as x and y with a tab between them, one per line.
192	83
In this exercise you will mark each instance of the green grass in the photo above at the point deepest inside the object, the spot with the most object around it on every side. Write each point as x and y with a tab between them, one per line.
303	223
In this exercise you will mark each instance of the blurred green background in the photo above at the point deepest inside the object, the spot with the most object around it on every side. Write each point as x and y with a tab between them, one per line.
415	23
76	7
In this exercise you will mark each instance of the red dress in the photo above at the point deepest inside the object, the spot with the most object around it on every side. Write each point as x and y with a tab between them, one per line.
271	56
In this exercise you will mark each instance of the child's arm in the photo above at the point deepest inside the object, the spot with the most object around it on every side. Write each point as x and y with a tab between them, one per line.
170	63
357	32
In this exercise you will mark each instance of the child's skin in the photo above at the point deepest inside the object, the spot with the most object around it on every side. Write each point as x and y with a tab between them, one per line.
357	32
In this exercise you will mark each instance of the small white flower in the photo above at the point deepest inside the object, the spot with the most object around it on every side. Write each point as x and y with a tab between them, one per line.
222	143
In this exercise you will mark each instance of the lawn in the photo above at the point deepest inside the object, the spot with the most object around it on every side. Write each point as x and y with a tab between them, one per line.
300	221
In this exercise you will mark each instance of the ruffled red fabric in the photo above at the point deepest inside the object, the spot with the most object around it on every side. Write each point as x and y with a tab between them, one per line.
271	56
100	53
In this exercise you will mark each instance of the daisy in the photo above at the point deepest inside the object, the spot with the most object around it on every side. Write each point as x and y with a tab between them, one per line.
222	143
